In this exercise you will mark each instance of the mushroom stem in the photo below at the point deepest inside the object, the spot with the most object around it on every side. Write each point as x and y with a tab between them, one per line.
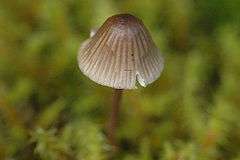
113	118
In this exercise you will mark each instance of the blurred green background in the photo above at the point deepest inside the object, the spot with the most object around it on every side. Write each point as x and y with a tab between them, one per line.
50	111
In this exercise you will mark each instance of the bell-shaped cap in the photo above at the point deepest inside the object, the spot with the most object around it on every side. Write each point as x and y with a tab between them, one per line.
120	54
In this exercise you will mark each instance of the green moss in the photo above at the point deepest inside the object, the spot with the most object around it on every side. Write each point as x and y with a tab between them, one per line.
49	110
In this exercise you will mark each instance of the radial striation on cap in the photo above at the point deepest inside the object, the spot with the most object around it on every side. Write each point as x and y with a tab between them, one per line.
120	54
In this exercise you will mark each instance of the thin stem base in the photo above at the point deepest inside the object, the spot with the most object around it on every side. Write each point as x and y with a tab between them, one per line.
113	117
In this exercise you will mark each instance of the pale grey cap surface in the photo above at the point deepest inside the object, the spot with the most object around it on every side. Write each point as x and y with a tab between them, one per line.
120	54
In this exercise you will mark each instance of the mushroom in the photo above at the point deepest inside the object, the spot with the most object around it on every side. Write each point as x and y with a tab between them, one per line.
120	54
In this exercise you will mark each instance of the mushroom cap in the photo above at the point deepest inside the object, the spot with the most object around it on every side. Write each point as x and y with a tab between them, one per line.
120	54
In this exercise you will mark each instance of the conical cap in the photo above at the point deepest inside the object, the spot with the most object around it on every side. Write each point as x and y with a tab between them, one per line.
120	54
